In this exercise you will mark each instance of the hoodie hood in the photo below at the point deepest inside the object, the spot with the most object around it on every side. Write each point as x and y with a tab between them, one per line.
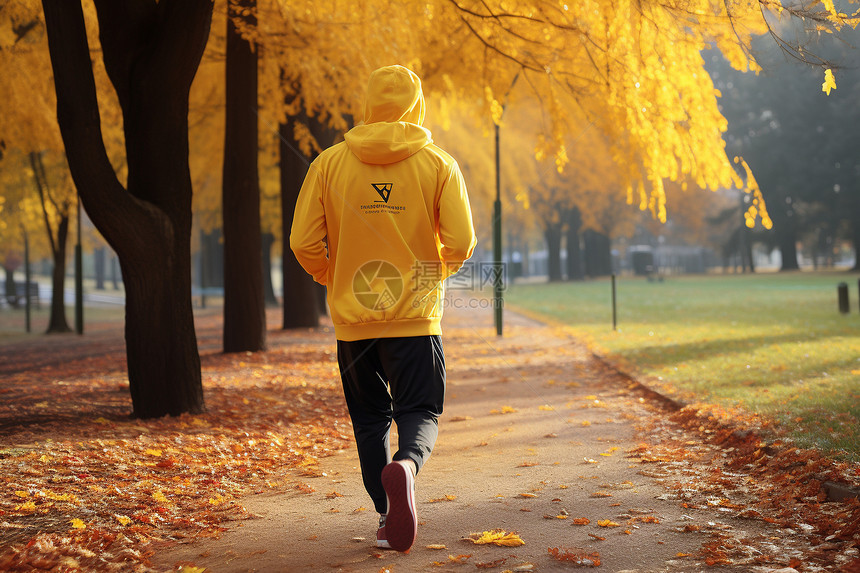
393	118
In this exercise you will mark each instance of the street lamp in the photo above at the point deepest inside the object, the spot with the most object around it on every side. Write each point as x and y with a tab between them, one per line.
498	285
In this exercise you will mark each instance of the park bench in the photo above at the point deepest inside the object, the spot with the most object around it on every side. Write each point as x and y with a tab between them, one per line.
17	298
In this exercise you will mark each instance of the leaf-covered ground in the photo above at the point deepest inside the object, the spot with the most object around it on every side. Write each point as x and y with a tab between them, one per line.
540	443
84	486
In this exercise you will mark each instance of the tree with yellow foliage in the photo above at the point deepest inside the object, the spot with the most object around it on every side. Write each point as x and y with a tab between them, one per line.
40	194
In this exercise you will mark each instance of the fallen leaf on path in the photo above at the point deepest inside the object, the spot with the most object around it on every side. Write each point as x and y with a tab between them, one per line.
597	537
490	564
446	498
580	521
333	494
527	464
528	495
601	494
504	410
644	519
459	558
546	408
436	546
496	537
459	418
576	556
607	523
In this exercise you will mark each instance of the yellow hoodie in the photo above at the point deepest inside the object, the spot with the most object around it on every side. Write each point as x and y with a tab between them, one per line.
383	218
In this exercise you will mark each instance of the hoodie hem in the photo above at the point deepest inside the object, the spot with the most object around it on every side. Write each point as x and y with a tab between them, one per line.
388	329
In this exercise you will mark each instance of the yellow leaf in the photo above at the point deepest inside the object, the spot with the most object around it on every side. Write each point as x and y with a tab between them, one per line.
829	81
123	520
152	452
23	494
190	569
546	407
78	524
606	523
159	497
496	537
436	546
508	410
26	506
101	420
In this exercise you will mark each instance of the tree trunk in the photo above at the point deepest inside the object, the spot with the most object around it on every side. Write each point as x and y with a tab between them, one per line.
787	242
10	290
552	232
100	261
151	53
244	303
598	254
301	305
268	287
114	272
575	271
57	321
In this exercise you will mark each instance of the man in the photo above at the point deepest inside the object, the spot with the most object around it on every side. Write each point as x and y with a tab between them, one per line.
382	219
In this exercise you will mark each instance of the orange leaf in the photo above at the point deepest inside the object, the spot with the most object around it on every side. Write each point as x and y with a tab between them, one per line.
576	556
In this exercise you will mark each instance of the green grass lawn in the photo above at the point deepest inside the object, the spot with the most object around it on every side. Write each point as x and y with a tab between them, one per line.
773	344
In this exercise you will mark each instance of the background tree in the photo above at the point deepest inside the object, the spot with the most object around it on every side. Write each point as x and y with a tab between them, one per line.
244	305
799	142
58	203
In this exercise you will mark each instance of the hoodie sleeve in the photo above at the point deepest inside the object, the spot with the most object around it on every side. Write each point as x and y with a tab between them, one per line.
309	227
456	231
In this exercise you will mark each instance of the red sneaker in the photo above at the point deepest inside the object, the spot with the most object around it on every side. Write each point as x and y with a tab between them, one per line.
381	539
401	522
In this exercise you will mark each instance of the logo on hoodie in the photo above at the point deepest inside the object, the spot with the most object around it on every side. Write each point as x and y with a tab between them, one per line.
384	190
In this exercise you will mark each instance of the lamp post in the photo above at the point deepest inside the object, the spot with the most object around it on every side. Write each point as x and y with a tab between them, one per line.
27	279
497	245
498	274
79	279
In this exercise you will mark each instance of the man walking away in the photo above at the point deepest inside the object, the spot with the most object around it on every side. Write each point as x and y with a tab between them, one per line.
382	219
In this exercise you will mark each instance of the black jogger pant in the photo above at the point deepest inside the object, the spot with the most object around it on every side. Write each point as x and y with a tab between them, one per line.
385	379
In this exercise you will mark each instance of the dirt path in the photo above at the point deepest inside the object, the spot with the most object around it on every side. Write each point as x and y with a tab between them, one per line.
537	437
